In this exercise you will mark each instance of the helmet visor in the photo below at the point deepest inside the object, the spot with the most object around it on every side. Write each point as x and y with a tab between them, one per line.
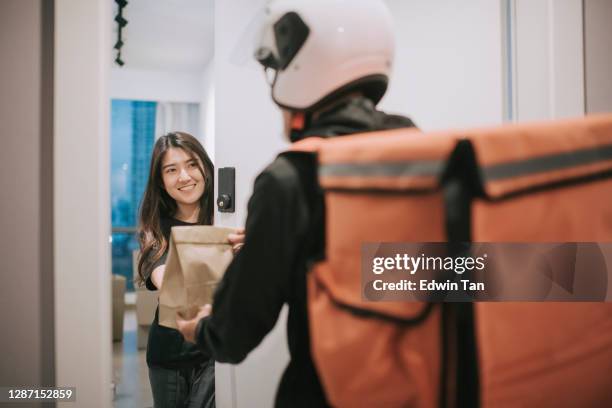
250	38
281	38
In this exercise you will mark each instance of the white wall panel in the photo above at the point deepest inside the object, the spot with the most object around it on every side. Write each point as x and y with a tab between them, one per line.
146	85
598	55
549	72
448	68
81	201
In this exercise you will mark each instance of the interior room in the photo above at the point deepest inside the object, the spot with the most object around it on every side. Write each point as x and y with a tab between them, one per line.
88	87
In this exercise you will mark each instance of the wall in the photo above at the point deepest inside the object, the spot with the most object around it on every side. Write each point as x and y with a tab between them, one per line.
448	67
548	53
81	200
26	109
140	84
598	55
207	110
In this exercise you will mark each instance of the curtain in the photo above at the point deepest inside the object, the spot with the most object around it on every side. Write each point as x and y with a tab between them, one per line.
175	116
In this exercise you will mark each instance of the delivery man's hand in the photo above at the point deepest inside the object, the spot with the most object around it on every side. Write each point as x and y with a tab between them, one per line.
237	240
187	327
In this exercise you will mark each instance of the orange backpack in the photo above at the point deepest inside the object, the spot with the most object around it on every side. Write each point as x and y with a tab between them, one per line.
545	183
537	183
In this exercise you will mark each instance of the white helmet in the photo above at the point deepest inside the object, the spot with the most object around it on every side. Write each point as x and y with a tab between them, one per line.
321	49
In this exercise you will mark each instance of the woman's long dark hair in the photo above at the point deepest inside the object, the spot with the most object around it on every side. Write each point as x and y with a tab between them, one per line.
156	203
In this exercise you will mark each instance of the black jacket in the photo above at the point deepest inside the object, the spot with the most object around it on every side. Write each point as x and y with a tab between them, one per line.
282	234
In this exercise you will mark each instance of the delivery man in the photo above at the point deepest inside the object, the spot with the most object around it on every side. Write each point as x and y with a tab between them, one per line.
331	67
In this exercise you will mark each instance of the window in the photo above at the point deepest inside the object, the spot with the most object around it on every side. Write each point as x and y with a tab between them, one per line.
132	137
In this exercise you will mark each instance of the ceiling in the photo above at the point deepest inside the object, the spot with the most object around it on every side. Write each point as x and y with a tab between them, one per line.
167	35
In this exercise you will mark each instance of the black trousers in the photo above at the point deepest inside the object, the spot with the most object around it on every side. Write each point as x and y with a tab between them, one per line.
192	387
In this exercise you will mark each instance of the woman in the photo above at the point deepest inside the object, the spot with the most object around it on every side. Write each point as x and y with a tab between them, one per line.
179	192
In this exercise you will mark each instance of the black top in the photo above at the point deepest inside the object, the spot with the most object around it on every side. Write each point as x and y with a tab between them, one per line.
270	270
166	347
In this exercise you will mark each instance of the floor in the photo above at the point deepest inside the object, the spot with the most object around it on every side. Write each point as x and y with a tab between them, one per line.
132	389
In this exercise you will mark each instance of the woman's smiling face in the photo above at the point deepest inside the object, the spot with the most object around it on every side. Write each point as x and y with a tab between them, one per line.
182	178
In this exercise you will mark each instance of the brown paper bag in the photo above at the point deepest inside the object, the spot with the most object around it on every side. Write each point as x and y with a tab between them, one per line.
197	259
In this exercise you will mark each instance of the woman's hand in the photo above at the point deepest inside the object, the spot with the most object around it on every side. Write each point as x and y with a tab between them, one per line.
237	240
157	276
187	327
